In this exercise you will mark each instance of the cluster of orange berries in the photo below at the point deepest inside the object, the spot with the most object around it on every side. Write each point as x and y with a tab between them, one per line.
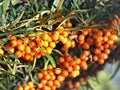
36	44
72	65
96	42
49	79
70	84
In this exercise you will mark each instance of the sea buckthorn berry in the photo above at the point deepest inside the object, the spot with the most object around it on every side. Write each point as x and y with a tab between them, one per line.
40	75
107	51
39	85
86	52
61	60
20	47
57	71
49	67
27	50
19	41
52	44
60	78
77	84
64	73
48	50
69	25
19	87
1	52
83	65
67	44
50	83
95	58
45	44
56	83
85	45
77	60
27	57
81	37
13	43
46	76
74	74
30	84
18	54
101	61
60	29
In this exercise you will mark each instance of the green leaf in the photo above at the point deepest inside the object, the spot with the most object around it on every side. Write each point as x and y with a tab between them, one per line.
16	20
2	86
50	58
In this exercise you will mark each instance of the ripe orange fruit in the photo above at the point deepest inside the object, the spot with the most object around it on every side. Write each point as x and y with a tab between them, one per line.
85	45
81	37
13	43
83	65
69	25
60	29
20	47
52	44
27	50
57	71
60	78
1	52
18	54
19	87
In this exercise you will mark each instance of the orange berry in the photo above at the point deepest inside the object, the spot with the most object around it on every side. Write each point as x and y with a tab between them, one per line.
45	36
101	61
74	74
43	81
18	54
50	83
19	41
60	29
45	44
76	67
97	51
10	48
77	84
64	73
20	47
52	44
56	83
27	50
95	58
89	41
27	57
1	52
67	44
82	56
48	50
49	67
57	71
85	32
30	84
83	65
70	68
69	25
85	45
19	87
40	75
73	44
55	36
60	78
86	52
46	76
77	60
39	85
61	60
13	43
107	51
81	37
